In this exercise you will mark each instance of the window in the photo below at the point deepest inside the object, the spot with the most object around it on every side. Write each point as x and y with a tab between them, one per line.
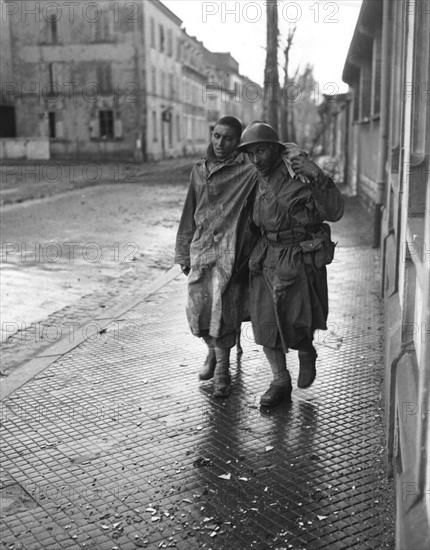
178	49
104	77
51	78
51	123
376	70
154	80
106	124
171	87
419	90
53	28
53	70
154	126
178	128
162	38
102	31
170	42
178	87
170	132
162	84
365	89
152	32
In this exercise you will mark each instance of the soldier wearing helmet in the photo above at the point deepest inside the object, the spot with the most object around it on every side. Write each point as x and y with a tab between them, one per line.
288	277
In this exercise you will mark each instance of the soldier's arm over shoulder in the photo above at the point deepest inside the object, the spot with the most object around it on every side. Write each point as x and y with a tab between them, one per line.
328	198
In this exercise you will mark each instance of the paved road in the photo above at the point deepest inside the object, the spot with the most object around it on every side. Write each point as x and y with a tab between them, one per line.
69	256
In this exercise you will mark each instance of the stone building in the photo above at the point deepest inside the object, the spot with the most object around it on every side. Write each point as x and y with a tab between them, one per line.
163	47
77	71
105	79
194	75
228	92
333	133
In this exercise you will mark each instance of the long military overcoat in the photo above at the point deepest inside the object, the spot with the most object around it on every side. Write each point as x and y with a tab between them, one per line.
288	277
215	238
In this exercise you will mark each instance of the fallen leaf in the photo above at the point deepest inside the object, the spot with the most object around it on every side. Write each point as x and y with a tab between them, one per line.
269	448
225	476
321	517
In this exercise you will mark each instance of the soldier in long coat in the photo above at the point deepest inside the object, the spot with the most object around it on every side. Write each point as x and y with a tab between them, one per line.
213	244
288	277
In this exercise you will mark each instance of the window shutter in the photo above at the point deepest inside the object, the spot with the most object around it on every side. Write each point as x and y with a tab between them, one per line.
59	129
44	126
118	128
94	129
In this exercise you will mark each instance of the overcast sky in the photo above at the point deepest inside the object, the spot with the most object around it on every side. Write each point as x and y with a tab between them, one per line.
323	35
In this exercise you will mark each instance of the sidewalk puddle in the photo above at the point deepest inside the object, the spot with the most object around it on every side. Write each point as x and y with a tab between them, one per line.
14	499
88	449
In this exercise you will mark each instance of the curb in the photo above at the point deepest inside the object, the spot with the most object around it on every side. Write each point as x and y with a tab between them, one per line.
29	370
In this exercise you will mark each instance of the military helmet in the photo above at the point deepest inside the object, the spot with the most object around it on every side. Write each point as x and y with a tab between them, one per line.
258	132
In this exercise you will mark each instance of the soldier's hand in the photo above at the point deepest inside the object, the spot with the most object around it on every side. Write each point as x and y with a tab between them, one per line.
185	269
303	166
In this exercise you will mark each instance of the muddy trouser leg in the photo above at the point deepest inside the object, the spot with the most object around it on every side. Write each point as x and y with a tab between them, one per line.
307	360
222	380
208	369
278	363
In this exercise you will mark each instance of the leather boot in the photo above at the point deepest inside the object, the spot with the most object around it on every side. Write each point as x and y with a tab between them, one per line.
307	373
280	389
208	369
222	380
276	395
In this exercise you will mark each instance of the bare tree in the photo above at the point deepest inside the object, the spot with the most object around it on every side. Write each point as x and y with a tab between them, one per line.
271	75
285	113
306	110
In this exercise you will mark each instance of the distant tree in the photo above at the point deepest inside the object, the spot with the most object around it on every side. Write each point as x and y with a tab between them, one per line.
305	110
287	125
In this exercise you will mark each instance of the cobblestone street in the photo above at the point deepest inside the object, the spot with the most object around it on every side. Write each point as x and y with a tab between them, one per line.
112	443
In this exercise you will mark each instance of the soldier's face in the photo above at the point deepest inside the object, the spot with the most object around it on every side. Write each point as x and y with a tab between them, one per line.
224	141
263	157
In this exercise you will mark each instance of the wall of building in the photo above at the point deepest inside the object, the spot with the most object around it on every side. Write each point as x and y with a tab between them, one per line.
76	81
109	79
163	43
7	98
389	159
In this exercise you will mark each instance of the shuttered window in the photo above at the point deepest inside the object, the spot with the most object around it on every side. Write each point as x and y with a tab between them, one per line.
104	77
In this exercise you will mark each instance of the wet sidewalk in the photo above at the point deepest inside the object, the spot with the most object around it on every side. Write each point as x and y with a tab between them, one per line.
114	444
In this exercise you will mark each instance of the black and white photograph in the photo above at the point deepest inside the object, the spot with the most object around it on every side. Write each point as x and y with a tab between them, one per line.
215	274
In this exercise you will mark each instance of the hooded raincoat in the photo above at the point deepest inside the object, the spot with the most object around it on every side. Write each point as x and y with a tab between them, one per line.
288	277
215	238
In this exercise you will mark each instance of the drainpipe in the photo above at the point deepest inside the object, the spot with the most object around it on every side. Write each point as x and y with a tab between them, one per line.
384	127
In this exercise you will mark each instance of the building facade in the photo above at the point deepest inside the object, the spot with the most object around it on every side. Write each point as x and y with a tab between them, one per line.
163	46
228	92
76	76
105	79
332	136
387	146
